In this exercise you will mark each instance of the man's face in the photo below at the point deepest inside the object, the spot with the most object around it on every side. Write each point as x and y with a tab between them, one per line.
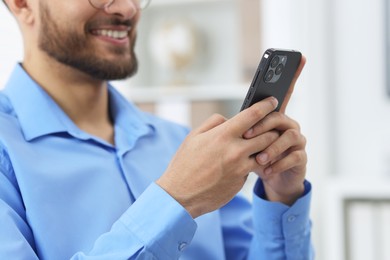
102	46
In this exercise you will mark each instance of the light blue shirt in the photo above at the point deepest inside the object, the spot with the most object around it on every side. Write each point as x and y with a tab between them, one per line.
65	194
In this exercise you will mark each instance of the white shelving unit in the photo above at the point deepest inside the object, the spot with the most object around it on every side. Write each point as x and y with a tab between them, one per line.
357	213
184	93
217	81
188	105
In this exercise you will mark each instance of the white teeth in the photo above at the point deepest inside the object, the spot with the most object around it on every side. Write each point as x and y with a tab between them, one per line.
112	33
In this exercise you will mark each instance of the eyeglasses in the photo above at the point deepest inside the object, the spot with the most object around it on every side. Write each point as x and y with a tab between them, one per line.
102	4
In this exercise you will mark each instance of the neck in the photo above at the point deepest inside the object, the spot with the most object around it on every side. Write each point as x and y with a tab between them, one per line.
83	99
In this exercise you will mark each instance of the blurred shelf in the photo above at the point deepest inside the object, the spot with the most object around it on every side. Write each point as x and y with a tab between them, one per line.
346	186
184	93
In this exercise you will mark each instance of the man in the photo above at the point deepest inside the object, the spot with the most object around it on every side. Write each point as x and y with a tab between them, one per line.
85	175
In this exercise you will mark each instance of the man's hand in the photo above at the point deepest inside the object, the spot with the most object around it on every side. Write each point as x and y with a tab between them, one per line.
282	165
212	164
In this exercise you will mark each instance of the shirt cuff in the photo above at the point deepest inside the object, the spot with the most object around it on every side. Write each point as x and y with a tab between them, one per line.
278	220
160	222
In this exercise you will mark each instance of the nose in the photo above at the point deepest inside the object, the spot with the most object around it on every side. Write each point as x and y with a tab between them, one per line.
125	8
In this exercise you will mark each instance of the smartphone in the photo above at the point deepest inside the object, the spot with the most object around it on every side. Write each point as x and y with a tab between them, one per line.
273	76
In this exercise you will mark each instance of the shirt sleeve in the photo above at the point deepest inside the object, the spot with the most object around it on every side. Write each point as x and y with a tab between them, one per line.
281	232
161	231
274	231
16	237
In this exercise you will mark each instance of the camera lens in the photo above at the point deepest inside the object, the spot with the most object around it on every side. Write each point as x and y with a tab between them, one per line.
279	69
275	62
268	77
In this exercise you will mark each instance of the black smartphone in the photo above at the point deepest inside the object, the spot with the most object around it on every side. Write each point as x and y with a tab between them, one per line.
273	76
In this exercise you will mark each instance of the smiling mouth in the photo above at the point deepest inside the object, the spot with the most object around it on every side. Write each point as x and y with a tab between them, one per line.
114	34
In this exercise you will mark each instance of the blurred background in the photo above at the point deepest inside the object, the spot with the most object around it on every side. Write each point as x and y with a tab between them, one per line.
197	57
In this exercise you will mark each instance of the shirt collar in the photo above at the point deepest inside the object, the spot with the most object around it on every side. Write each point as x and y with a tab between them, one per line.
130	122
40	115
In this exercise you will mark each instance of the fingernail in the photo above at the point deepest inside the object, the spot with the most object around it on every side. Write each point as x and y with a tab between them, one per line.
275	101
263	157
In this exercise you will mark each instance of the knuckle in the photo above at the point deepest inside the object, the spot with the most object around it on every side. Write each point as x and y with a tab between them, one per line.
271	136
303	140
260	126
297	125
218	118
256	112
294	123
273	150
294	134
235	155
299	156
279	116
275	117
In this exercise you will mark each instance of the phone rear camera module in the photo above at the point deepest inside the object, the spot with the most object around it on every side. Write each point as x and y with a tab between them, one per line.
275	69
279	69
269	75
275	62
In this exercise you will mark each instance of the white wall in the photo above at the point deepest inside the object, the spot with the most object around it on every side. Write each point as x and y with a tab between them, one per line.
363	108
360	110
10	45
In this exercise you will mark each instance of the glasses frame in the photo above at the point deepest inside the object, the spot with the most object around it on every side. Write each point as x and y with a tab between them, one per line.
110	2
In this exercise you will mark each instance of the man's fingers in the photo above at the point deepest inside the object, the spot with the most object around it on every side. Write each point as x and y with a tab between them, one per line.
290	138
274	121
293	159
210	123
261	142
247	118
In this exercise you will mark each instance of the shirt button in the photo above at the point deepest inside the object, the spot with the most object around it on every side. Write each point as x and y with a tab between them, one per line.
291	218
182	246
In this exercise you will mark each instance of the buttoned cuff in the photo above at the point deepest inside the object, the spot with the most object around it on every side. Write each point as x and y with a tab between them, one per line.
160	222
278	220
